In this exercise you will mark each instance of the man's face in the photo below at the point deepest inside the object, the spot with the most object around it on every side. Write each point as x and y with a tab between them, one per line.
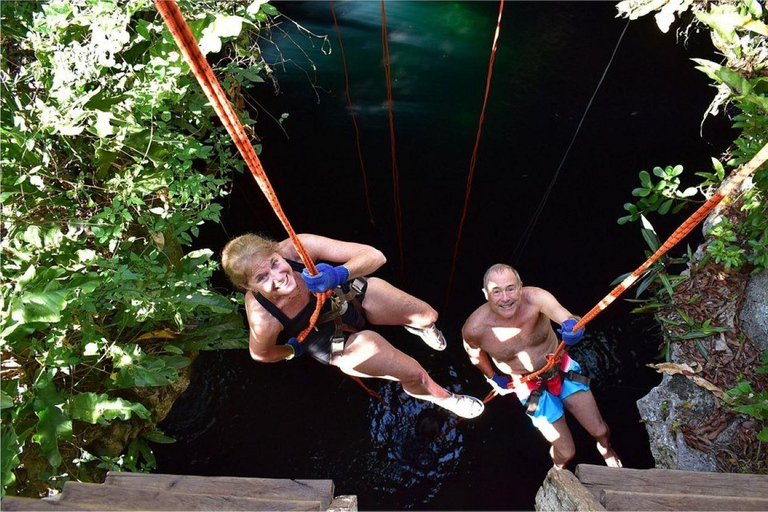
272	276
503	291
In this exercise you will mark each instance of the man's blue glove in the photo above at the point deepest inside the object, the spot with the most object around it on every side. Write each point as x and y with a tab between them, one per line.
298	348
499	383
570	337
327	277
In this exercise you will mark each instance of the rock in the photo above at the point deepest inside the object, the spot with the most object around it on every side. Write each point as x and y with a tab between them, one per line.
754	313
676	401
343	503
561	490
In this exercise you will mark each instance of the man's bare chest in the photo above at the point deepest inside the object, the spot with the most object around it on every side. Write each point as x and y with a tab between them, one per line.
508	342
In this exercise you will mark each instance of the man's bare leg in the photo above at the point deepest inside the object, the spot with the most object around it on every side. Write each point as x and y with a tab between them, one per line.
559	436
584	408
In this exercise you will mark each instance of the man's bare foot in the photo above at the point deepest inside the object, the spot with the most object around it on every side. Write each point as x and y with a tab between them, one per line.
609	456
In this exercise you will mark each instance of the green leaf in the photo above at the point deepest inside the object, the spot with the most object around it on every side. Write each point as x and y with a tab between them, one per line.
102	409
269	9
763	435
157	436
759	411
172	349
52	423
664	207
5	400
645	179
213	301
10	449
641	192
41	307
718	167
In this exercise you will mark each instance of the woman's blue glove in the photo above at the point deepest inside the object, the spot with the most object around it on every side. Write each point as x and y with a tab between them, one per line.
327	277
297	346
570	337
499	383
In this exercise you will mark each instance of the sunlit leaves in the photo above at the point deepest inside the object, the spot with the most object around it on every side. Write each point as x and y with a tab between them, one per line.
223	26
101	408
108	147
658	193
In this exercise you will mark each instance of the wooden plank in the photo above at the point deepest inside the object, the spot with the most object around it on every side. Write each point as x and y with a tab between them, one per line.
114	497
271	488
595	478
21	503
627	500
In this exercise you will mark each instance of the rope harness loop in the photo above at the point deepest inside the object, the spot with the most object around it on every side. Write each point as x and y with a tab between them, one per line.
681	232
187	43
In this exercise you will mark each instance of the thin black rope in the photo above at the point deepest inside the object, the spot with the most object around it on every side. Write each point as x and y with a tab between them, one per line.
529	230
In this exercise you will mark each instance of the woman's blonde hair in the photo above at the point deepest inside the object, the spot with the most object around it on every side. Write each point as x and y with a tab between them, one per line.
243	253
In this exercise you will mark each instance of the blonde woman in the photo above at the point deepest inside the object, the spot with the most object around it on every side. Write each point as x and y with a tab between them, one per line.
279	302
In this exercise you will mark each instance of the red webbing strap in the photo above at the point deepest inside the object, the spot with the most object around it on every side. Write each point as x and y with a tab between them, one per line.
210	85
473	160
686	227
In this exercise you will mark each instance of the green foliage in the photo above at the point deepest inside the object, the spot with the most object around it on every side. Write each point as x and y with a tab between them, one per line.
663	196
753	403
738	237
112	160
739	32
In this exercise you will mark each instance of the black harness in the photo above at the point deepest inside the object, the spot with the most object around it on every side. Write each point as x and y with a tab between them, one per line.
335	310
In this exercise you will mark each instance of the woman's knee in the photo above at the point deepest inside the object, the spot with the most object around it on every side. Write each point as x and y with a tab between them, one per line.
430	315
425	316
414	375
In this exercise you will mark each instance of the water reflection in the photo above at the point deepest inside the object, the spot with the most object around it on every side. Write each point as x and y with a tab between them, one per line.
414	447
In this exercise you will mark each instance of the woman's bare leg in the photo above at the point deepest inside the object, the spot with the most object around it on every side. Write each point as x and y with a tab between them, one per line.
385	304
368	354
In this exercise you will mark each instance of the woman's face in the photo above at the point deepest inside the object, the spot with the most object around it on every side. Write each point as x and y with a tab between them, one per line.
272	276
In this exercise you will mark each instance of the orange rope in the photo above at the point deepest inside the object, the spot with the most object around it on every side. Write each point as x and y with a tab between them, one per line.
372	393
395	171
210	85
352	113
686	227
473	160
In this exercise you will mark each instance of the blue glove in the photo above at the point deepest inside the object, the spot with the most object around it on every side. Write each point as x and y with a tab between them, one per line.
298	348
499	383
566	331
327	277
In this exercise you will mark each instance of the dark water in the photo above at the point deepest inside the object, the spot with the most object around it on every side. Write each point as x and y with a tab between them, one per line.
303	420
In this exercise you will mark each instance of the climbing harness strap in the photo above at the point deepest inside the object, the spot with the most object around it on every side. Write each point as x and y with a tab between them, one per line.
340	301
552	381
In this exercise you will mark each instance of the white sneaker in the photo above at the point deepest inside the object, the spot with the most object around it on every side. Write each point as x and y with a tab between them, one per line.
431	336
463	405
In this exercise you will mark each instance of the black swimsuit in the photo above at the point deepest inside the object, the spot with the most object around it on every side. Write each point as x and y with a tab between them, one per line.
318	341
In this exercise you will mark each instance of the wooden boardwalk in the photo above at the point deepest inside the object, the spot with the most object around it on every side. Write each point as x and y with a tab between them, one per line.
137	491
666	489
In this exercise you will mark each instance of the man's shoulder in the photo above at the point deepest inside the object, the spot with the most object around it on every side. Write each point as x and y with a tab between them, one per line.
476	322
536	295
